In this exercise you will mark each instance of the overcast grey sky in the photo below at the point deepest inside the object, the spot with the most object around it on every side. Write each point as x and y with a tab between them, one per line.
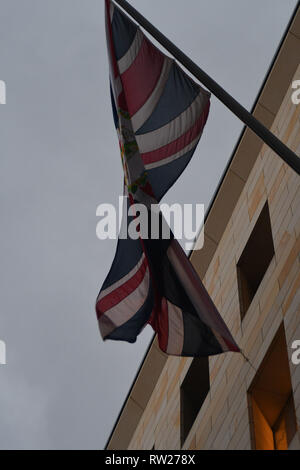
62	387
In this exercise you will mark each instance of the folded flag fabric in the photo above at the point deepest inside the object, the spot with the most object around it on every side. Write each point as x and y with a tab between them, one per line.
159	114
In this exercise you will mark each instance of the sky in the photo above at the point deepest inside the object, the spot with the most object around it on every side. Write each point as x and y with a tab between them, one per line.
62	386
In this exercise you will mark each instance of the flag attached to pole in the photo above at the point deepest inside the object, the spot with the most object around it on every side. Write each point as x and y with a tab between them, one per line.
159	114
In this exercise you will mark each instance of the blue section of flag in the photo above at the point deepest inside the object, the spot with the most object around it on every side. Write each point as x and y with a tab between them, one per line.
123	33
163	177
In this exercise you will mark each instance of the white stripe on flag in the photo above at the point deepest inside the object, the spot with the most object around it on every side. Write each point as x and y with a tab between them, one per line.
174	129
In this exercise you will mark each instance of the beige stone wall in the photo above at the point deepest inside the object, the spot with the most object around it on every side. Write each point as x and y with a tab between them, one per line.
223	421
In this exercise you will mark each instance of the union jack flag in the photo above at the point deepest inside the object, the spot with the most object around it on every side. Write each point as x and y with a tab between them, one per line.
159	114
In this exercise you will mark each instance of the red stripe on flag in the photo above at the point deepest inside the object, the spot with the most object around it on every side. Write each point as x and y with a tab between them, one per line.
121	292
178	144
140	79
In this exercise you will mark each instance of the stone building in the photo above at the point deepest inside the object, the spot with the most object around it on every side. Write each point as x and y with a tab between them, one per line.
250	265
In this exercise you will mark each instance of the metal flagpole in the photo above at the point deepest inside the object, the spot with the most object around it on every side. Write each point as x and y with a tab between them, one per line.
247	118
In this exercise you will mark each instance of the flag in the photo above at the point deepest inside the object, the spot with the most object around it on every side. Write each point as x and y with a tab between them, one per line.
159	114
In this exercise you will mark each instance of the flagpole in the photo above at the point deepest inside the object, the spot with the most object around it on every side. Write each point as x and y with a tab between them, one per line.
235	107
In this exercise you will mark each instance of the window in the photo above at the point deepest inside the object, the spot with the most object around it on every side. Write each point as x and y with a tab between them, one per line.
193	392
273	415
255	260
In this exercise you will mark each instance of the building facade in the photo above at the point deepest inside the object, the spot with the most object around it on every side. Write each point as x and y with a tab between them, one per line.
250	265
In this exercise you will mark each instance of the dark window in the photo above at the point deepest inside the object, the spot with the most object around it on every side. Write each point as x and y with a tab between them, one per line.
193	392
272	405
255	260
